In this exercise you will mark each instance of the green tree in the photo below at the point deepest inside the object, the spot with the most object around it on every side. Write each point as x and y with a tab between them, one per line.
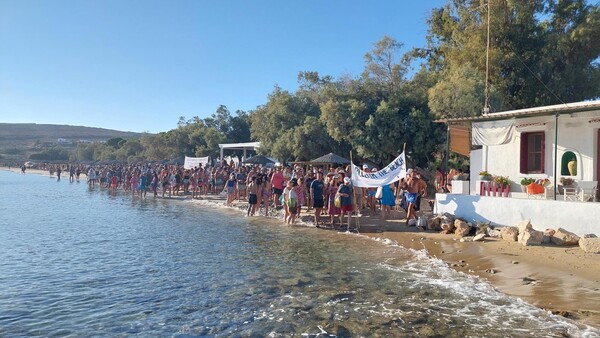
272	124
541	53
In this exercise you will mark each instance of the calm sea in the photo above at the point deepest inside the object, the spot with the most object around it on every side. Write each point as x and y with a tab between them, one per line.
77	262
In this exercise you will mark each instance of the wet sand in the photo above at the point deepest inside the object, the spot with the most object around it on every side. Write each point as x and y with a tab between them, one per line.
564	280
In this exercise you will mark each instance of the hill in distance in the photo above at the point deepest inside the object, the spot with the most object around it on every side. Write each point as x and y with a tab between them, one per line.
19	135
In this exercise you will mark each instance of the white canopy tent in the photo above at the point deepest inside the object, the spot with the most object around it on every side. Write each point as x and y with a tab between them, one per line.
239	146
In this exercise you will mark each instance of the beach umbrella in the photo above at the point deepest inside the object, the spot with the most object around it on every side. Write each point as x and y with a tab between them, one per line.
330	158
259	159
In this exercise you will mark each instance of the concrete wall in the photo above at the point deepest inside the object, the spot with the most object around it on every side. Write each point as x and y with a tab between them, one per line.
578	217
576	133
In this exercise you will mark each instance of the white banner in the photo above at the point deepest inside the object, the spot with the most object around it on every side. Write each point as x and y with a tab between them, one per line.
393	172
192	162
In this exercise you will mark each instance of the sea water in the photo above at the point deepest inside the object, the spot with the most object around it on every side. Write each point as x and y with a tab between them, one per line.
79	261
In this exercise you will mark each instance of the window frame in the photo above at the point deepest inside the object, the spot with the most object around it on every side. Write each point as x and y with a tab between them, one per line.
524	155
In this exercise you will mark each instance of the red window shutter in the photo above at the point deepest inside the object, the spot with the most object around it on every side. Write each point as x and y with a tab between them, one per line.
543	135
523	155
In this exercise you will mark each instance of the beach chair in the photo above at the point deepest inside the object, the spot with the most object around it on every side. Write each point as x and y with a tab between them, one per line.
583	191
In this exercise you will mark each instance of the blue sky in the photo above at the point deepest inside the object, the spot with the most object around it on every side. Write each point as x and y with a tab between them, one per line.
139	65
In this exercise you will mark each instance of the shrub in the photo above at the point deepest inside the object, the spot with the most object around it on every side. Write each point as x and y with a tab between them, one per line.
527	181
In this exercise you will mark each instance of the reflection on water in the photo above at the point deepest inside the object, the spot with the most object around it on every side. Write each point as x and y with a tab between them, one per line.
77	261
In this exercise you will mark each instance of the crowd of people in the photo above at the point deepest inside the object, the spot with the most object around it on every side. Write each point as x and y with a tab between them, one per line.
326	193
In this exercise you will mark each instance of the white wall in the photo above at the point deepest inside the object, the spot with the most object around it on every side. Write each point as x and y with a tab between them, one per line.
575	133
578	217
476	165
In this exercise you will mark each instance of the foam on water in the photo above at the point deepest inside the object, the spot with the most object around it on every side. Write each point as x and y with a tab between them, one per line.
427	272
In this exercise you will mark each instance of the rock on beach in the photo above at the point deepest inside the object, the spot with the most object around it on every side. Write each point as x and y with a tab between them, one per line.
462	228
590	243
529	237
524	225
509	233
564	237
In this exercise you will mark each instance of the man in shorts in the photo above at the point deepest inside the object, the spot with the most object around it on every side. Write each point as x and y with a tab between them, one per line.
316	194
252	196
277	183
412	186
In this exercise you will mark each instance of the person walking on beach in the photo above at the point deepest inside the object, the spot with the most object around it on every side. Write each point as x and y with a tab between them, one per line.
252	190
277	184
230	190
166	182
290	199
143	185
301	192
316	195
411	186
154	183
113	184
388	200
332	209
345	192
265	189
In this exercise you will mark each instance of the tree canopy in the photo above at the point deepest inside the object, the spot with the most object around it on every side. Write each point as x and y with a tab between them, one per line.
541	52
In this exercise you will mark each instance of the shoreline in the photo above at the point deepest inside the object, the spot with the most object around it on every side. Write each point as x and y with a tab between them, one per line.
563	280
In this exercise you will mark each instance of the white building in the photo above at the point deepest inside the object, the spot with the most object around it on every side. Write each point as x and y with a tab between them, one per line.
534	143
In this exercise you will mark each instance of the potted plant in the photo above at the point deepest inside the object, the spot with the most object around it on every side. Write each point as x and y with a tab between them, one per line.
485	176
502	181
565	182
525	182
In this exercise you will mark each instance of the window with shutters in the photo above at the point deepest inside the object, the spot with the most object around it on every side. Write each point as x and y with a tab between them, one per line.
532	153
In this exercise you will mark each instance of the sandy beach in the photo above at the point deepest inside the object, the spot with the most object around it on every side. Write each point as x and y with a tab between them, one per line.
564	280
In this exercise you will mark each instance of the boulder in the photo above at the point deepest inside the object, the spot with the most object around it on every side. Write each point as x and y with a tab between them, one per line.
462	228
549	232
564	237
590	244
531	237
589	236
467	239
524	225
495	233
482	228
547	239
479	238
509	233
434	223
447	228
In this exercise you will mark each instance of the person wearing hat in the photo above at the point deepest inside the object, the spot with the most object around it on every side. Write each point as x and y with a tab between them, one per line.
345	191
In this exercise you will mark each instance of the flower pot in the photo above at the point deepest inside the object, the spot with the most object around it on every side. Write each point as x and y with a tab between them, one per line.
485	178
523	188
